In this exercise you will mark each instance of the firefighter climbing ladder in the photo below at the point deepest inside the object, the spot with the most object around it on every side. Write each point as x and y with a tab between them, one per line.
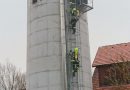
73	10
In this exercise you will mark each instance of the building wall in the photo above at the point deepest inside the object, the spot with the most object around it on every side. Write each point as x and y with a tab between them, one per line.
46	47
97	79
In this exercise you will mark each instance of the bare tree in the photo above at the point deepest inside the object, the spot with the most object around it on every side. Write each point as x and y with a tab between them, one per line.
118	74
11	78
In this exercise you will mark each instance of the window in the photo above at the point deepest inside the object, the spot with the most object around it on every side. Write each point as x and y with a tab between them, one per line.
34	1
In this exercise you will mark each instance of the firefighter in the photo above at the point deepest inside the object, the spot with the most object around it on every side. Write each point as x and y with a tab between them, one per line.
74	61
76	54
75	15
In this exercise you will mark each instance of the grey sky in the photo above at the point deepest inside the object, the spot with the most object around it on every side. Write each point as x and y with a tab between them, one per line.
13	32
108	24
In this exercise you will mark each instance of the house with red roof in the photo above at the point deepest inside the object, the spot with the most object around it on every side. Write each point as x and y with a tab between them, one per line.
106	57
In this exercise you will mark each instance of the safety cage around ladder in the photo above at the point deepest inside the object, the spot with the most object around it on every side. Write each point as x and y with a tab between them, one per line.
84	5
73	10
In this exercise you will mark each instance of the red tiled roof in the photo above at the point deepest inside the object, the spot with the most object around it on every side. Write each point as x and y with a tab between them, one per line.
112	53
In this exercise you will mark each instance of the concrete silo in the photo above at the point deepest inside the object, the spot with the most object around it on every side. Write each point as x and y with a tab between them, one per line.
50	41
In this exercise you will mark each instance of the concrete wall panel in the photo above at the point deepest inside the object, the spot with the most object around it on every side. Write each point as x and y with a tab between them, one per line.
51	63
54	35
53	21
53	8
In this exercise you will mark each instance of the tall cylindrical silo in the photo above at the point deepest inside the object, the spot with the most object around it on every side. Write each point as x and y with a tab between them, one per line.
46	47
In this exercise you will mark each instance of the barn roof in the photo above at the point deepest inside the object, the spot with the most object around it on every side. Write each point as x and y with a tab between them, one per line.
112	53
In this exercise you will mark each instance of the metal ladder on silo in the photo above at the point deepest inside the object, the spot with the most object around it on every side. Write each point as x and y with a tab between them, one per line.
73	40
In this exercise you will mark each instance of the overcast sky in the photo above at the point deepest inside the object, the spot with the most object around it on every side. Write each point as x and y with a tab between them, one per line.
13	32
109	23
